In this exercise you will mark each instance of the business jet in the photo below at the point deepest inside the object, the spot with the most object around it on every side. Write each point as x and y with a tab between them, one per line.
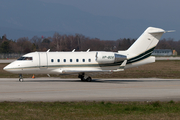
85	63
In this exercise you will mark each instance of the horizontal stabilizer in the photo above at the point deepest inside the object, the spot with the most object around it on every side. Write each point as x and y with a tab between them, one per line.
170	31
160	31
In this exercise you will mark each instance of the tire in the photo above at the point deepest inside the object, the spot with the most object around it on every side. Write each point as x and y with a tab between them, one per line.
82	79
20	79
89	79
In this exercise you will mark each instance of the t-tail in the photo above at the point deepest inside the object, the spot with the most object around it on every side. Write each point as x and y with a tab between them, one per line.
147	41
140	51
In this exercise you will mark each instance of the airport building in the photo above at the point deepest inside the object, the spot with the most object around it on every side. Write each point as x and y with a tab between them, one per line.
162	52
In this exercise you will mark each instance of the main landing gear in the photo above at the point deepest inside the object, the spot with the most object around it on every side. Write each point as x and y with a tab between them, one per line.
20	78
83	78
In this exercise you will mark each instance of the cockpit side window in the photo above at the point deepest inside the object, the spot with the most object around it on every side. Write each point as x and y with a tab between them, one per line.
25	58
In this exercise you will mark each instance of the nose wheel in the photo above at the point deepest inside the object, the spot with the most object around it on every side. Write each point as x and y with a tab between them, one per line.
20	78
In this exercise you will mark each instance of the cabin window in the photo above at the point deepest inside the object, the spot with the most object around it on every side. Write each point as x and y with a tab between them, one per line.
25	58
77	60
89	60
70	60
64	60
52	60
58	60
83	60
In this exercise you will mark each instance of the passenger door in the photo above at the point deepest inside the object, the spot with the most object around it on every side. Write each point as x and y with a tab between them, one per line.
43	60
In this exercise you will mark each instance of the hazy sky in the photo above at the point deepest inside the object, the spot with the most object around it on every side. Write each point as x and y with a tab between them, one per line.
134	16
144	9
163	13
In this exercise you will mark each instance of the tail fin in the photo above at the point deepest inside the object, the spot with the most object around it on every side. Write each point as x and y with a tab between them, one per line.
148	40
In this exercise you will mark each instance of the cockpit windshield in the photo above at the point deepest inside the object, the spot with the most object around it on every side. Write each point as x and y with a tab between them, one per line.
25	58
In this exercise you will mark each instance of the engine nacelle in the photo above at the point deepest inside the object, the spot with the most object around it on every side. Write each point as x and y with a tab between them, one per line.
109	57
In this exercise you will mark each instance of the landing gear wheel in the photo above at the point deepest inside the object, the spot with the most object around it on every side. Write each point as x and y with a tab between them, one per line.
20	78
89	79
81	77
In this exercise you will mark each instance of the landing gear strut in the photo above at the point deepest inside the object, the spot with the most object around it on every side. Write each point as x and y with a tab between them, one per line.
20	78
88	79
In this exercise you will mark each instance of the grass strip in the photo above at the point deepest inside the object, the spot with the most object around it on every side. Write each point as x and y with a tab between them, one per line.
89	110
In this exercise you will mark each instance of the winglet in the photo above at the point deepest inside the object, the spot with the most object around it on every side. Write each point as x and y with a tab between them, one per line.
121	67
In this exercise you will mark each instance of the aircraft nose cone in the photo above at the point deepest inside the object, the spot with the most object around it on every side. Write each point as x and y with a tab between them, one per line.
6	68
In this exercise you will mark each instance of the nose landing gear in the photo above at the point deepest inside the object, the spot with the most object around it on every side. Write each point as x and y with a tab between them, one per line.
20	78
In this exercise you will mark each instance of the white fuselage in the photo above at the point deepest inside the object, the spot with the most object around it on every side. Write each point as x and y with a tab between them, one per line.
68	62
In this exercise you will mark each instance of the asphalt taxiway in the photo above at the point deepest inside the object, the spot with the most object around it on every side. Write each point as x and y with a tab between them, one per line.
58	89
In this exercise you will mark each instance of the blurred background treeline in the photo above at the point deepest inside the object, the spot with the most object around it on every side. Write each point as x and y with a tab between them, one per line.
69	42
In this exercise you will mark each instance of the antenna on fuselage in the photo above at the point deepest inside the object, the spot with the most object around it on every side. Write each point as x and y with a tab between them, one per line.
88	50
73	50
48	50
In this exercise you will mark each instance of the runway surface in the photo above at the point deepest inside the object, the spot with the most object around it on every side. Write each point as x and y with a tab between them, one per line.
57	89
